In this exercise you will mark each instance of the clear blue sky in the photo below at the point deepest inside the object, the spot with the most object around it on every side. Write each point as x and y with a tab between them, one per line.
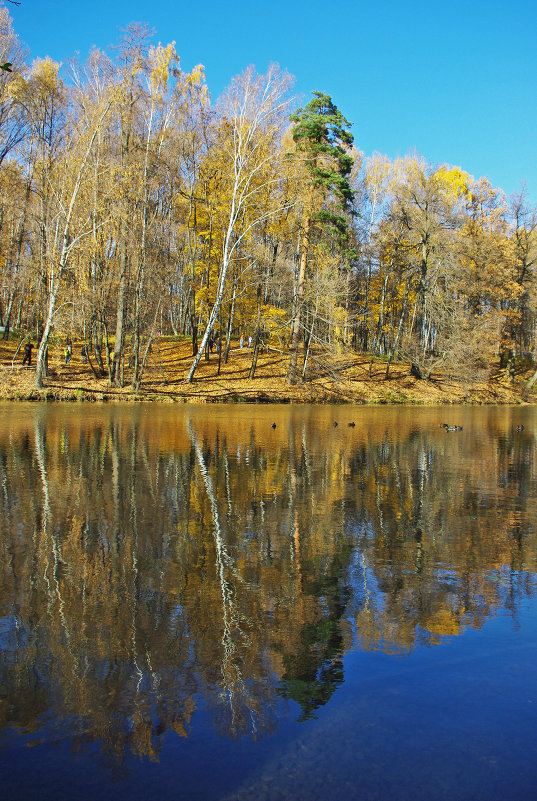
455	81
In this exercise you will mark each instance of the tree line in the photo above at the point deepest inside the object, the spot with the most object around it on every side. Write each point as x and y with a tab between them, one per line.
131	206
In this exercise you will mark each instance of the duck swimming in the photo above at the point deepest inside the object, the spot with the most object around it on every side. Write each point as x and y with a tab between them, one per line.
451	428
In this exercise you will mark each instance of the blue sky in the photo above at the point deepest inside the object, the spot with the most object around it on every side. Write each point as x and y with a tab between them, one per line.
455	81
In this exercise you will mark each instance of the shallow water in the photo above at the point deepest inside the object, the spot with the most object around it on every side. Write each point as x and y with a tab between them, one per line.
197	605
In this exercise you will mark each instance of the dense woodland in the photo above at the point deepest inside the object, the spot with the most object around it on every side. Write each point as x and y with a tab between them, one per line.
132	205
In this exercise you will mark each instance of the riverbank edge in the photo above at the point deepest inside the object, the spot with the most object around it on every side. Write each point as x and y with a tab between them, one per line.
494	394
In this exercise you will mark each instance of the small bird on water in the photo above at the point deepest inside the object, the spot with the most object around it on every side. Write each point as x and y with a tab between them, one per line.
273	425
451	428
351	425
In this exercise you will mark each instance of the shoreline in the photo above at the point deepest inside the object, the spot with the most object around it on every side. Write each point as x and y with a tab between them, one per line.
207	393
346	379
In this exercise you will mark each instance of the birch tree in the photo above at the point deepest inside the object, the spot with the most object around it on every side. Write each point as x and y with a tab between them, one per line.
63	237
254	111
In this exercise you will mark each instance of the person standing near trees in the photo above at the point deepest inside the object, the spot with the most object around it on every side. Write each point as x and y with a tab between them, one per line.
27	354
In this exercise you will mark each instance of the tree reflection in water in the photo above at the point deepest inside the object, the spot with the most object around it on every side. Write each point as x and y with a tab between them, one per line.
152	562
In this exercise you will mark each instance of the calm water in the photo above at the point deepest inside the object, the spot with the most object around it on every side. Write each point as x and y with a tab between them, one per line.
195	605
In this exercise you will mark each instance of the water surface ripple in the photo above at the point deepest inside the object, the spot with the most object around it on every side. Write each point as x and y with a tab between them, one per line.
223	603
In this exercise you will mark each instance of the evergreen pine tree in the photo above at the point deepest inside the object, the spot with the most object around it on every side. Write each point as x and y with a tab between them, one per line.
321	133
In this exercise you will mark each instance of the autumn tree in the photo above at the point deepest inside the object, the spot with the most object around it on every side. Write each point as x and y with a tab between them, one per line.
373	186
15	205
64	228
524	244
13	114
426	204
253	113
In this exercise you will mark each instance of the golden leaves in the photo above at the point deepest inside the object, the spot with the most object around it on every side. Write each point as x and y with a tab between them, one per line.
162	61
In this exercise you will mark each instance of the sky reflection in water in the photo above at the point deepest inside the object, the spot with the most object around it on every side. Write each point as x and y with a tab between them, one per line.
197	605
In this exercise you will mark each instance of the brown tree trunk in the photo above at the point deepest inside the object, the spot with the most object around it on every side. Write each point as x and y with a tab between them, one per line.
530	384
257	344
307	351
116	378
395	345
194	332
299	296
230	322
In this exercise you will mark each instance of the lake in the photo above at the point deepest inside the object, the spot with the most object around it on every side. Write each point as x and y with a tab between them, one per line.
231	602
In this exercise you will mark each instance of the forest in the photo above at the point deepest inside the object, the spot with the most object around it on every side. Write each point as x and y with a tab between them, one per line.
133	206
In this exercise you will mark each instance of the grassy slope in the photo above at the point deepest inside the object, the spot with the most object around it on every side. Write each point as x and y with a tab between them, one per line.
347	380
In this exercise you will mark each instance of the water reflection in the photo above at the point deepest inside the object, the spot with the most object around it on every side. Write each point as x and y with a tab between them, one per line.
159	561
